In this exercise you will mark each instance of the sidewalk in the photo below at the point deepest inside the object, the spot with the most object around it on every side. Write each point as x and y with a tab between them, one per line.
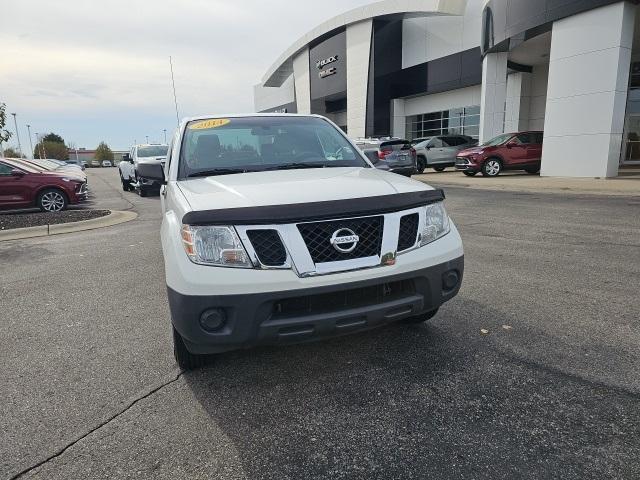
627	184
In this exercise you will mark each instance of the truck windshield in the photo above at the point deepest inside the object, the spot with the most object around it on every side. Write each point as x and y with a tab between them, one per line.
252	144
155	151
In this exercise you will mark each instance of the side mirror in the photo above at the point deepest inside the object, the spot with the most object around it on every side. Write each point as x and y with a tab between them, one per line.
17	173
126	157
152	171
510	145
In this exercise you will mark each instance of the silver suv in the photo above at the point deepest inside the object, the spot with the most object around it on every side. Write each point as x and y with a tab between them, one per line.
440	152
391	154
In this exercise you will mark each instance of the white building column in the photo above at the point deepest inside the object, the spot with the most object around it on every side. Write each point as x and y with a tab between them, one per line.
358	55
302	81
398	118
518	102
587	92
494	95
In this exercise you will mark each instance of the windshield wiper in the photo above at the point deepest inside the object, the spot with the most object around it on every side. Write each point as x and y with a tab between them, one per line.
217	171
293	166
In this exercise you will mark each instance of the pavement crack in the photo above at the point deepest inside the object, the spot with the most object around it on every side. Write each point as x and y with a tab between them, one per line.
113	417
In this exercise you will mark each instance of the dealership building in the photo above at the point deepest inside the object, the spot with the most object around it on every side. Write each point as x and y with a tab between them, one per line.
419	68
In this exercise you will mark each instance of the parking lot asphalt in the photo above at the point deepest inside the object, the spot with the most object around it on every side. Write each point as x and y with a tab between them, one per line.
533	371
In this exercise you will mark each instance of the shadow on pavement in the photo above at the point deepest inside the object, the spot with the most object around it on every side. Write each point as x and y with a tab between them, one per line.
412	402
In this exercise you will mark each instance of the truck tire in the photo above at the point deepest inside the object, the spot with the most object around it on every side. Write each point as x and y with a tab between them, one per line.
420	318
185	359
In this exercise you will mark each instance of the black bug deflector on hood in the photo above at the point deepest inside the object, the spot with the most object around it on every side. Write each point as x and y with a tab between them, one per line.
306	212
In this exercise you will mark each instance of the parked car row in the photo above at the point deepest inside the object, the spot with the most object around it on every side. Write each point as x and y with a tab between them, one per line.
509	151
103	163
44	184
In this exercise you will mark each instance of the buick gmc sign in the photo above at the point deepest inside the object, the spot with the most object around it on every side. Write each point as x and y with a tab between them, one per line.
320	64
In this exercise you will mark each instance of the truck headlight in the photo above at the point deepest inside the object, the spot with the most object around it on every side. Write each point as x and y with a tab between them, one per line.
218	246
436	225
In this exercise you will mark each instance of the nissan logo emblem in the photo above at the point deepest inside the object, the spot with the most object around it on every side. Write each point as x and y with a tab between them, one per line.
344	240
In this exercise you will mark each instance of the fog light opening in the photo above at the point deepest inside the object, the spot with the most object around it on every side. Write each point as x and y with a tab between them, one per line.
450	280
213	320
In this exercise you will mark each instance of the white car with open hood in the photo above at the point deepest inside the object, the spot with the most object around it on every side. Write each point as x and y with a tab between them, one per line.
277	229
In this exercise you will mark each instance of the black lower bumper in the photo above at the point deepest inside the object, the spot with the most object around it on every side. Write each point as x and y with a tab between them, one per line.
275	318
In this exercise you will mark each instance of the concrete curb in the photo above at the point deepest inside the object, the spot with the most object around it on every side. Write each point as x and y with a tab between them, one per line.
114	218
629	191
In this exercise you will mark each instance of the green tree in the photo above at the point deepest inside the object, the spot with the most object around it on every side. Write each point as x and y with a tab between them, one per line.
103	152
55	150
52	137
5	135
12	153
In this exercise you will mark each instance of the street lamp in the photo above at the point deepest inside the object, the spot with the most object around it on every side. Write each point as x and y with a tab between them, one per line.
147	137
30	141
15	122
165	135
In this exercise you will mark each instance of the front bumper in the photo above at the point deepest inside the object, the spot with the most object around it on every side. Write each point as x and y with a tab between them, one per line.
80	195
464	164
282	317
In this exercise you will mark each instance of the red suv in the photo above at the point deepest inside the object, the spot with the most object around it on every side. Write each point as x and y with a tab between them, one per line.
23	185
510	151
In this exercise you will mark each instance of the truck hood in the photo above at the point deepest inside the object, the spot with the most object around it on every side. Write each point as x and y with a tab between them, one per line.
293	186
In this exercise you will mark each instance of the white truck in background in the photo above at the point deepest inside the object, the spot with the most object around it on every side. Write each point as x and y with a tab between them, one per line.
141	154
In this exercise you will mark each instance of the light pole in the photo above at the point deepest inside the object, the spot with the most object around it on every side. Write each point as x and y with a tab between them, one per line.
147	137
15	122
30	141
165	135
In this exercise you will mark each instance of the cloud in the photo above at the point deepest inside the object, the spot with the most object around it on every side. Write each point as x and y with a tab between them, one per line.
75	65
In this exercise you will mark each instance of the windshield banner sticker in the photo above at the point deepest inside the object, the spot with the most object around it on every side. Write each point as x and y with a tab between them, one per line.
208	124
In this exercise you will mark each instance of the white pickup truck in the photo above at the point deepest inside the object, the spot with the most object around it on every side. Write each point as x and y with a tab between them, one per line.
129	167
277	229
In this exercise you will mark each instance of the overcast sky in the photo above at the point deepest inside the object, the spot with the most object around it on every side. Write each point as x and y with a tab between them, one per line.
99	70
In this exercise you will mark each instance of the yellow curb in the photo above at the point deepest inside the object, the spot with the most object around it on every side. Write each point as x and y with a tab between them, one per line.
114	218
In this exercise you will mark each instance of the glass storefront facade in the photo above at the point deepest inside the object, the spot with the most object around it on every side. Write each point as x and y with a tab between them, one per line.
465	121
631	148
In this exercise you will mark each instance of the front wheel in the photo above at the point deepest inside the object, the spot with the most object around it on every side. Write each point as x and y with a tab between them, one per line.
52	200
533	170
421	164
439	169
492	168
424	317
184	358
